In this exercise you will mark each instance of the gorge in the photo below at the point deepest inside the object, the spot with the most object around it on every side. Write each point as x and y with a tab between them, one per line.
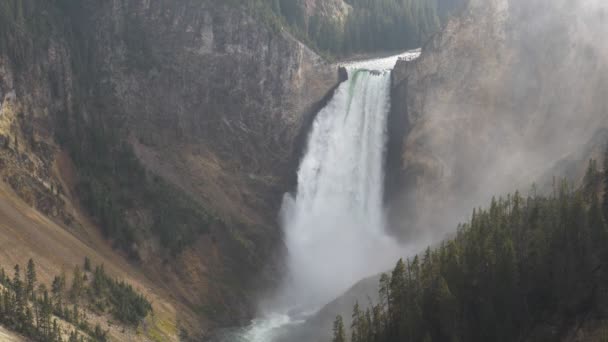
214	156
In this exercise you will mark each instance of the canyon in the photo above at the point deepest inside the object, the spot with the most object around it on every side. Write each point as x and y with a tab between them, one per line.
160	137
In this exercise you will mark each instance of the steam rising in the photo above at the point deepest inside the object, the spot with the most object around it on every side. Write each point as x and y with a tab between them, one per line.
495	102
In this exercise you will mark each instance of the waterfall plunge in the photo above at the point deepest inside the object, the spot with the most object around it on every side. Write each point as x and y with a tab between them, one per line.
334	226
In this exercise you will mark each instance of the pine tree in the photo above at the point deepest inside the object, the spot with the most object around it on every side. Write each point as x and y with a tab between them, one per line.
46	308
378	322
77	284
397	299
9	306
356	325
20	300
447	308
384	291
3	277
36	307
369	326
30	284
57	290
2	306
87	264
339	333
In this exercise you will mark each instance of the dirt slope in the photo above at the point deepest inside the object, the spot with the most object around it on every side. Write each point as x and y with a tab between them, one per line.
8	336
25	234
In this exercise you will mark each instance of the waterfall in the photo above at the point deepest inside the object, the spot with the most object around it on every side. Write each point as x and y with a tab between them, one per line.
334	226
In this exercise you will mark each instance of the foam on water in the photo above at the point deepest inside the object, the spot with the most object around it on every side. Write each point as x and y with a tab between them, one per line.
385	63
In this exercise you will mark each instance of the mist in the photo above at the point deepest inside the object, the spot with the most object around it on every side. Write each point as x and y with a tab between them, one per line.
522	87
335	224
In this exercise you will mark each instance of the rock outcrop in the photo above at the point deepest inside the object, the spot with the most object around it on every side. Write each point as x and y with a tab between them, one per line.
503	92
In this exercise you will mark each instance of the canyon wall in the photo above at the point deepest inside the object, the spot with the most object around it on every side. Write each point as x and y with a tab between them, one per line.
504	92
193	108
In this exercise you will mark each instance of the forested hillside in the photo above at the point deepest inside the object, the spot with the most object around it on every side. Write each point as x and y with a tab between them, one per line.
57	312
526	269
356	26
385	25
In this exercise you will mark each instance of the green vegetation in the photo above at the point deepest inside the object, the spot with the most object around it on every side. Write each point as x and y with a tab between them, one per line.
112	182
339	332
34	312
383	25
521	264
370	25
126	305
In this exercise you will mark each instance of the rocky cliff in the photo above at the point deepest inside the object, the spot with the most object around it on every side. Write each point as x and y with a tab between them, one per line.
502	93
130	114
213	102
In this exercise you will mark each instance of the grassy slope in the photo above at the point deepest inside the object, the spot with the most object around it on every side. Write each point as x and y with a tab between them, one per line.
25	233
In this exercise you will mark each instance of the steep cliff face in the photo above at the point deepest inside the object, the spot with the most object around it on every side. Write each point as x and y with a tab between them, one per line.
213	103
503	92
209	81
182	108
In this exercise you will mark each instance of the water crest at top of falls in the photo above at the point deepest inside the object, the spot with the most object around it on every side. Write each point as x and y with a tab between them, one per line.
381	64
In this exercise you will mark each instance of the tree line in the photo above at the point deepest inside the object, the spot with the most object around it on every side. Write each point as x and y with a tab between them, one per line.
521	264
389	25
32	309
369	25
